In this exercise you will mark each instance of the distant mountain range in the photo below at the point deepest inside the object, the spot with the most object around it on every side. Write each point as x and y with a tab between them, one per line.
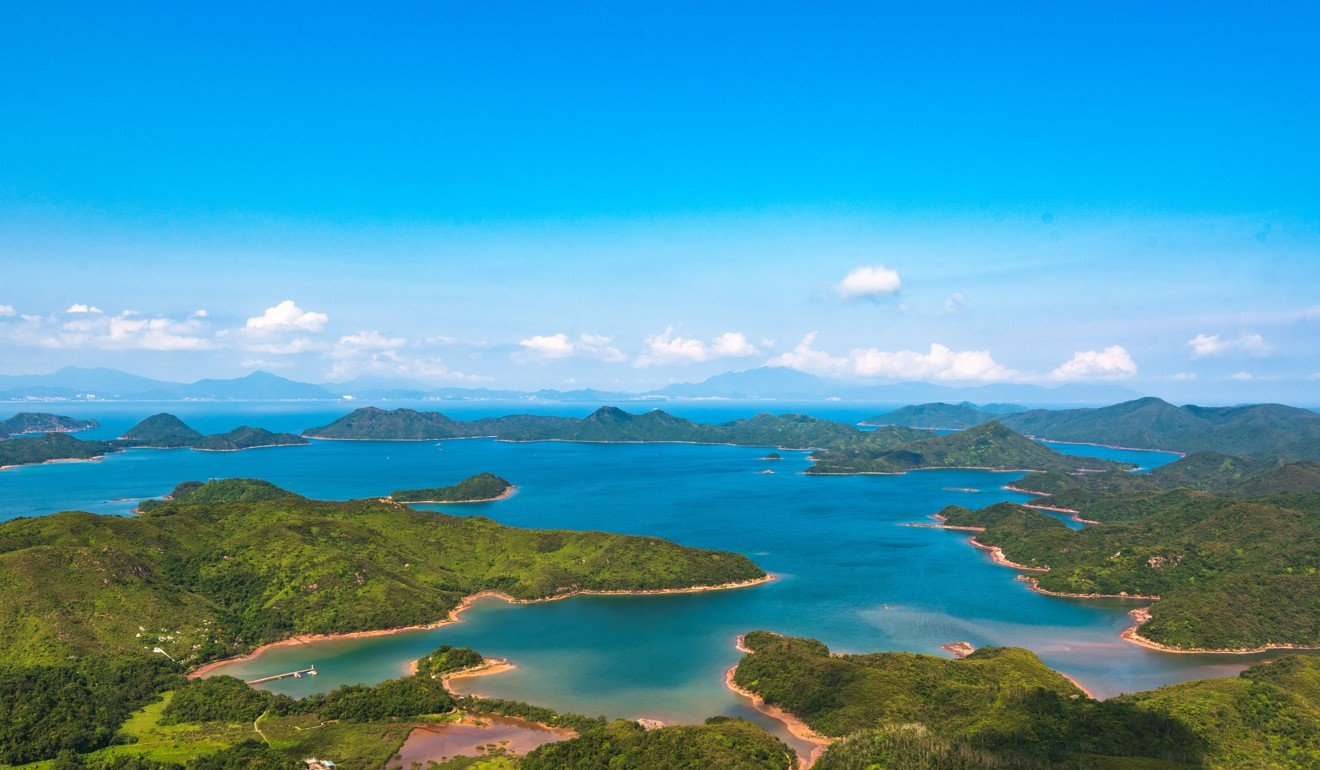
764	383
73	382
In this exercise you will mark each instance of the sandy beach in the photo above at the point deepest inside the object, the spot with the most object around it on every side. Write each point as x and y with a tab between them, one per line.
1142	614
502	496
797	727
455	615
1074	514
98	458
997	556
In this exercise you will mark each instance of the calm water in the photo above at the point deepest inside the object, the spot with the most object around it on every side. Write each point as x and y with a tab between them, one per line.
851	574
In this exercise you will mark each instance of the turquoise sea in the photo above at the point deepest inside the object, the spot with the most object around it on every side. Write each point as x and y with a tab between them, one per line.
850	573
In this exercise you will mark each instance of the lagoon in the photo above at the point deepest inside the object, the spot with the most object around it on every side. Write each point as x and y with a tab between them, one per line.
851	573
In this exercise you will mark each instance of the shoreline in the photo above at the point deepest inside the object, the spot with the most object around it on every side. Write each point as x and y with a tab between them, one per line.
505	495
1131	634
571	441
1139	616
485	668
1073	513
997	556
1110	446
454	616
95	459
988	469
799	729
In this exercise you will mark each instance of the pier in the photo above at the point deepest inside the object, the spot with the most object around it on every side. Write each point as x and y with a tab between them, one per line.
309	671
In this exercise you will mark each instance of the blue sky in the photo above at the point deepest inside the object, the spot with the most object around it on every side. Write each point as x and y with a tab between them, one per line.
1040	193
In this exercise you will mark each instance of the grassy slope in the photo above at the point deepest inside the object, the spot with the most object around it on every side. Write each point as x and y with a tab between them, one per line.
1232	574
219	577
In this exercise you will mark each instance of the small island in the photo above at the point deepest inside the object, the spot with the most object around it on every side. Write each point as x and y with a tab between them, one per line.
42	422
165	431
481	488
773	456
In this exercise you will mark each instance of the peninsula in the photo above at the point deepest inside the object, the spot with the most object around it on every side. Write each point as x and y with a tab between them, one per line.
1230	575
226	566
1002	707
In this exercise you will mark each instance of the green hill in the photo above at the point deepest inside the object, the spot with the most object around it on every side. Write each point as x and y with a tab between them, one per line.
939	416
722	742
607	424
206	579
478	488
375	424
42	422
837	695
1231	574
1227	475
990	445
1002	708
162	431
48	447
247	437
1272	431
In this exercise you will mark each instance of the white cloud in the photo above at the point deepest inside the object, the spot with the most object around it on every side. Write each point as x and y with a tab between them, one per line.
1185	376
733	345
1242	376
669	348
869	281
200	313
78	308
6	311
954	304
559	346
938	363
287	316
1112	363
1214	345
281	330
92	329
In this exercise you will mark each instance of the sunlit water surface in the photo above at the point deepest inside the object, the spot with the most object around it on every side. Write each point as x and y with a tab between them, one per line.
850	573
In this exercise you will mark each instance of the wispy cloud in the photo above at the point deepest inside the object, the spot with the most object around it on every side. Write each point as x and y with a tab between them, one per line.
1214	345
